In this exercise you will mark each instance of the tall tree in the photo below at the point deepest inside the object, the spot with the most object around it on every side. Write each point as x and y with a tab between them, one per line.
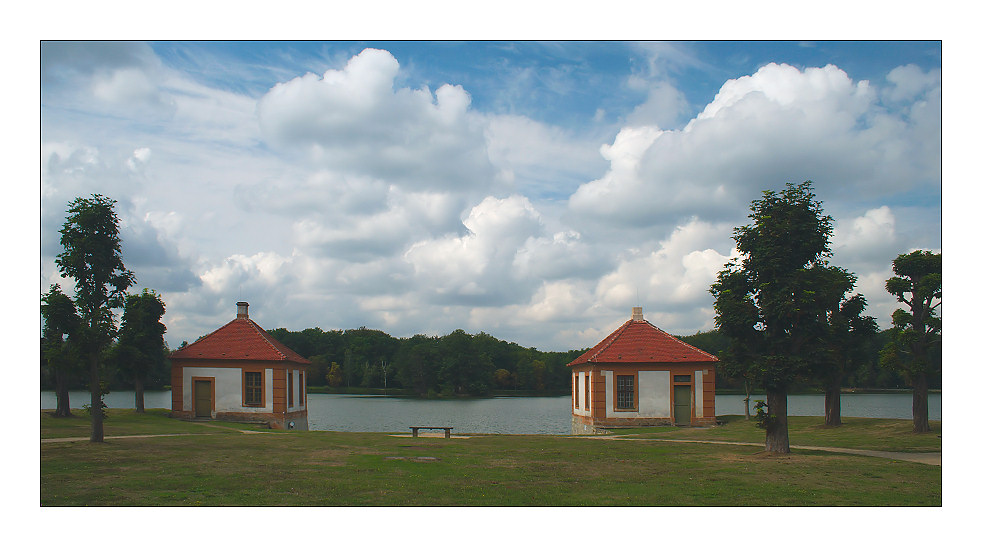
141	345
92	256
772	302
917	333
60	321
847	344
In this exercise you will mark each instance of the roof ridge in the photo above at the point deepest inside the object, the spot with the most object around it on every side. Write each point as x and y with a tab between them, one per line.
611	339
204	337
267	337
639	340
240	338
685	343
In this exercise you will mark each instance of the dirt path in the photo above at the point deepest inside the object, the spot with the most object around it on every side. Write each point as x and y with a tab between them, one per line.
929	458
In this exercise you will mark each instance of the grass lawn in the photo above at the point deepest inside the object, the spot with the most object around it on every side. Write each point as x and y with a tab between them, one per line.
862	433
222	467
129	422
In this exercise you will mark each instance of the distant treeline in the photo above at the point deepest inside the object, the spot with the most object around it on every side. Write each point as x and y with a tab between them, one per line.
429	366
476	364
459	363
868	376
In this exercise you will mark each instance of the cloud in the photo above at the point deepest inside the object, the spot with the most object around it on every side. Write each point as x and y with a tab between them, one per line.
775	126
346	197
866	240
353	120
405	218
561	255
672	281
111	76
475	268
537	159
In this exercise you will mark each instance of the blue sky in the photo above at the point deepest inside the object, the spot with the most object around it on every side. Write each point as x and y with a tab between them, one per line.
532	190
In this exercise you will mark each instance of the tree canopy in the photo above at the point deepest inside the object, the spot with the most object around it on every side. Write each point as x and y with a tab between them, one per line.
773	302
917	329
92	257
141	348
58	344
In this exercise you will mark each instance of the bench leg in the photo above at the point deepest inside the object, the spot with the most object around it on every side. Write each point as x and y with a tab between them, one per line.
415	431
447	431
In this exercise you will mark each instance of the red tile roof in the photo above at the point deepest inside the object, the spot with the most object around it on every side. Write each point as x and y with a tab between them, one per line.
638	341
240	339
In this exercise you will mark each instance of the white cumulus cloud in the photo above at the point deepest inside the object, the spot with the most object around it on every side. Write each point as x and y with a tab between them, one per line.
778	125
354	120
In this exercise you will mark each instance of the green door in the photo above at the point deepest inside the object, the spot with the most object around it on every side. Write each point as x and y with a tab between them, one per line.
682	405
202	399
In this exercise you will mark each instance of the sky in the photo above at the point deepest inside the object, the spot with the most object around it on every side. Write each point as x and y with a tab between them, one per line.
535	191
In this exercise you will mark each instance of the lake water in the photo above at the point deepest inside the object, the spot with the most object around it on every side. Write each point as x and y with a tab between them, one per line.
511	415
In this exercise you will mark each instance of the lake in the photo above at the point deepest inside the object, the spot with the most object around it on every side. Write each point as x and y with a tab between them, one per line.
510	415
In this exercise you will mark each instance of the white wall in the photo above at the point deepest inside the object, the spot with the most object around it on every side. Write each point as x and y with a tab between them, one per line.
698	387
654	393
228	389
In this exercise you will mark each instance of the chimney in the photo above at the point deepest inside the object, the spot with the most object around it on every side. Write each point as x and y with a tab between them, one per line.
242	311
636	314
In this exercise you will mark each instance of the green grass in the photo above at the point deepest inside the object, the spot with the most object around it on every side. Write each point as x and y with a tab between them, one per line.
126	422
862	433
228	468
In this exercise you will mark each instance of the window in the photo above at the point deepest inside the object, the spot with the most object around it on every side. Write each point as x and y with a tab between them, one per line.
253	395
576	392
302	390
289	374
625	392
683	378
586	392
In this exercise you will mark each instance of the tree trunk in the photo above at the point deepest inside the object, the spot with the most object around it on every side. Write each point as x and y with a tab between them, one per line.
138	385
833	403
777	426
746	401
95	389
920	404
63	408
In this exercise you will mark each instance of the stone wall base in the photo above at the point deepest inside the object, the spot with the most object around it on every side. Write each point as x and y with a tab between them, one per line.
586	425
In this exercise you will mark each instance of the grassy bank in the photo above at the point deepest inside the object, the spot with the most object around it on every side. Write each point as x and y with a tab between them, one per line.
221	466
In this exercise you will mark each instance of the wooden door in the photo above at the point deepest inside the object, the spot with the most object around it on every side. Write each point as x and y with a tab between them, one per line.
202	399
683	405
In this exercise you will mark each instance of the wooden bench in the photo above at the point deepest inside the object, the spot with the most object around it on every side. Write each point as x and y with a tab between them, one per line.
416	429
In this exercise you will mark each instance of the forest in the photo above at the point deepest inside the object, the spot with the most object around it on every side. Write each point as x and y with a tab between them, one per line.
458	364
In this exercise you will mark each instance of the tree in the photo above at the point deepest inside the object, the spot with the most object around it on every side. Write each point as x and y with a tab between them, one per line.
334	377
847	344
92	256
917	333
60	355
414	364
141	344
771	303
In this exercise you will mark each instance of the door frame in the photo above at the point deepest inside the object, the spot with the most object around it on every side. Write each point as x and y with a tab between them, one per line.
194	395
